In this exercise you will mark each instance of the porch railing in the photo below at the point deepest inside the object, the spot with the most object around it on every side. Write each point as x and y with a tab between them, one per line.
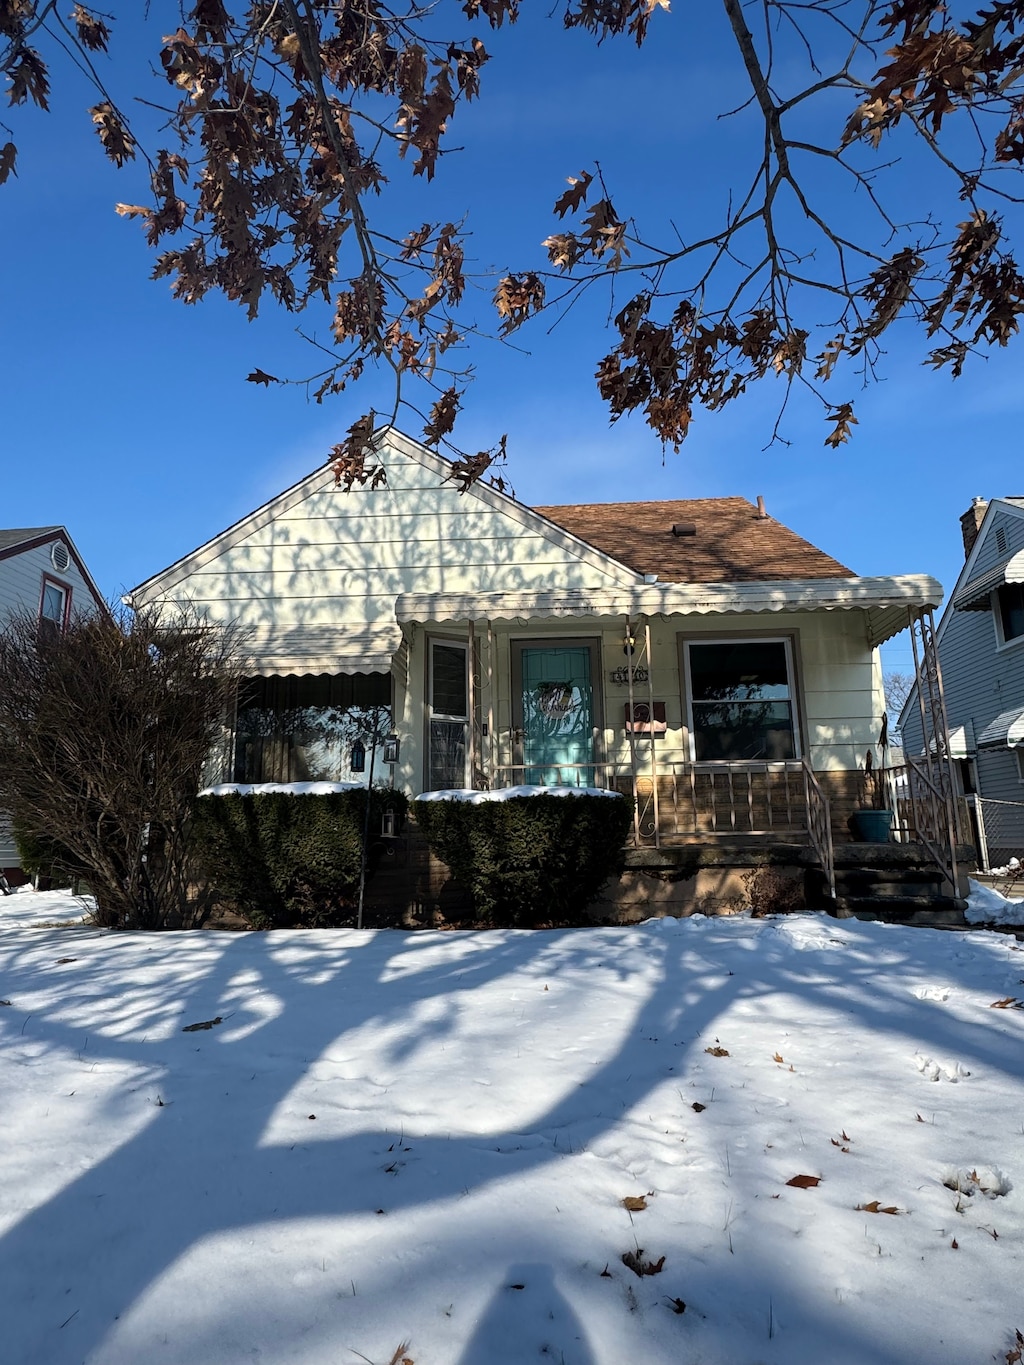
924	813
754	800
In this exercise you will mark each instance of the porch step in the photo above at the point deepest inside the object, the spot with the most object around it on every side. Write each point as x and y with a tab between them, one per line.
936	912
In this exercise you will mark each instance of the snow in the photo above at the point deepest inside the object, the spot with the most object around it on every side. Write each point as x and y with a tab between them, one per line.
26	908
986	905
387	1138
476	798
288	788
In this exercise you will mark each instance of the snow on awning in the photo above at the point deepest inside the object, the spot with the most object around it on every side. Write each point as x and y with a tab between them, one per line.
976	594
884	601
286	650
1006	731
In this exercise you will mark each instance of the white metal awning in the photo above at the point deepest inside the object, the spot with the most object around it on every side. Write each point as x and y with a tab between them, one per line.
885	601
961	741
1005	732
286	650
976	594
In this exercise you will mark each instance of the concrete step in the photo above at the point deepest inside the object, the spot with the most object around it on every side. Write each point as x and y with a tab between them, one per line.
934	911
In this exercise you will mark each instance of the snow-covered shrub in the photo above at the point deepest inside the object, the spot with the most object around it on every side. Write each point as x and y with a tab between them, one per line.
530	859
284	858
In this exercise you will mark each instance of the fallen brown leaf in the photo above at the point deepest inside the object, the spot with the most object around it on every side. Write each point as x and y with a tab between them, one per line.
205	1023
777	1058
805	1182
876	1207
716	1051
697	1107
1009	1002
635	1203
635	1261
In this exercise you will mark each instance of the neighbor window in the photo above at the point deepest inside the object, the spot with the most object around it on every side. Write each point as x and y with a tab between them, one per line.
449	715
741	700
53	608
1011	610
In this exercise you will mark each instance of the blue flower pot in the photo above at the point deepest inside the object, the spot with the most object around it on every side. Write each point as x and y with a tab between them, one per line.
872	826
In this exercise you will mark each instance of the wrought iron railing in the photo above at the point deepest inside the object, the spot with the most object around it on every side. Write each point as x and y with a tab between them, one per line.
924	812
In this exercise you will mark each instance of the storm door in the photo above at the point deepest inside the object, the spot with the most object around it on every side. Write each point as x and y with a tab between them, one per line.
555	713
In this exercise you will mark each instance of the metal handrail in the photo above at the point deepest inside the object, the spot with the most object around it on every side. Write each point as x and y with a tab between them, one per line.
819	826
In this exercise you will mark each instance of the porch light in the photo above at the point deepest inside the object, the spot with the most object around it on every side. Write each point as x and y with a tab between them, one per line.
392	747
357	759
629	644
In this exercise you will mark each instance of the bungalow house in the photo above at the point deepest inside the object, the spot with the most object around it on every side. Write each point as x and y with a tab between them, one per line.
41	573
697	655
980	642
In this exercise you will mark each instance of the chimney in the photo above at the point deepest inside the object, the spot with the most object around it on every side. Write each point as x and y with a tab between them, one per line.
762	514
970	523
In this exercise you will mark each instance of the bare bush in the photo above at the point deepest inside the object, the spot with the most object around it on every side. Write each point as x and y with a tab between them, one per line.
105	729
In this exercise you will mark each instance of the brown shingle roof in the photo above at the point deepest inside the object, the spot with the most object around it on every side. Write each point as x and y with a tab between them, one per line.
732	544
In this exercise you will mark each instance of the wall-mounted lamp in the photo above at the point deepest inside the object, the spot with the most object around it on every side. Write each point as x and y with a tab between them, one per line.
357	759
392	747
629	644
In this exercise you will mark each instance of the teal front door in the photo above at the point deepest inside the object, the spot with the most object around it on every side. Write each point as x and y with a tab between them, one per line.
556	711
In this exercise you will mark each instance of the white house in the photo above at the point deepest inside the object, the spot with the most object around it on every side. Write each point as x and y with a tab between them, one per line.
41	573
697	654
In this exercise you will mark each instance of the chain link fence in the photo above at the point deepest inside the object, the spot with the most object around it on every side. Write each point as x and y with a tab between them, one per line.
998	828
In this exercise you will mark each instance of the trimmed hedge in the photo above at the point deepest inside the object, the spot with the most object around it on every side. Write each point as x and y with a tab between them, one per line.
288	859
530	859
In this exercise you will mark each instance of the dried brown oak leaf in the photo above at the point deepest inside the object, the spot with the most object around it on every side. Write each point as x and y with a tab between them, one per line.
1009	1002
635	1203
697	1107
805	1182
717	1051
205	1023
635	1261
876	1207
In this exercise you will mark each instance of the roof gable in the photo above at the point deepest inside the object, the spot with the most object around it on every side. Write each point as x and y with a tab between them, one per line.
19	541
314	542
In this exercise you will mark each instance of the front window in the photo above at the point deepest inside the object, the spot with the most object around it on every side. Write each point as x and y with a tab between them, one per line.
741	700
292	729
1011	610
449	715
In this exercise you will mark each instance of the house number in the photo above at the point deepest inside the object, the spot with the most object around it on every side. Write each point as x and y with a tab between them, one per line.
620	675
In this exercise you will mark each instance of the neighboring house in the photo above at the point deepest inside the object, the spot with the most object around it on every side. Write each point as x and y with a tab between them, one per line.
695	653
41	573
981	648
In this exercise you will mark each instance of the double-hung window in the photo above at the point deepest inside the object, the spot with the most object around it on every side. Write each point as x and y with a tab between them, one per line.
449	715
741	700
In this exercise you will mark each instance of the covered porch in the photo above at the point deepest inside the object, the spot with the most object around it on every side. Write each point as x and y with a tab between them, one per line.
734	714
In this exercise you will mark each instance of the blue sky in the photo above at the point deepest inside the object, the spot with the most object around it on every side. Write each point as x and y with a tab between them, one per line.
126	416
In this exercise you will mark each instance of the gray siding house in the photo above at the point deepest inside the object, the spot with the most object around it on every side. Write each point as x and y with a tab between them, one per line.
42	573
981	650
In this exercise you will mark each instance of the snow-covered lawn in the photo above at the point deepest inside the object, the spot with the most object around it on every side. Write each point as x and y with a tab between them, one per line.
381	1138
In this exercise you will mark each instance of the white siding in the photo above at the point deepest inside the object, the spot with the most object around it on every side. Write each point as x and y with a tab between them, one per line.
330	557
